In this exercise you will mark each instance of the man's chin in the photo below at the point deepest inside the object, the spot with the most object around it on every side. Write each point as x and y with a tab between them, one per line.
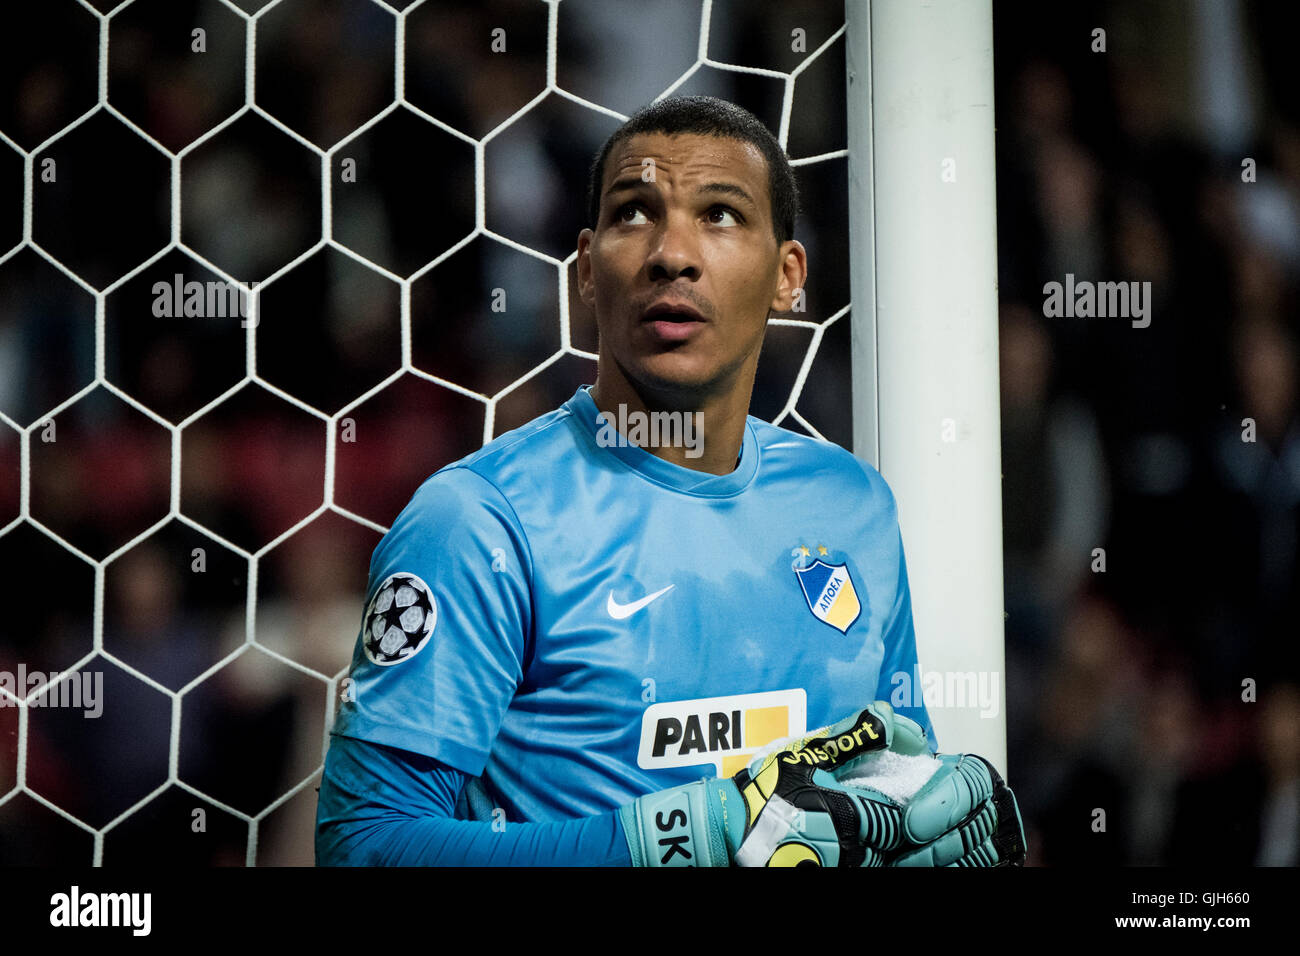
680	376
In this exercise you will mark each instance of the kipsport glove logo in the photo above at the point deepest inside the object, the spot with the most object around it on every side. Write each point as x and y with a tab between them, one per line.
400	619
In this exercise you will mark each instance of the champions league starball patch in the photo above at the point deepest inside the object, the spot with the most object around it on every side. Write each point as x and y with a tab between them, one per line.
400	619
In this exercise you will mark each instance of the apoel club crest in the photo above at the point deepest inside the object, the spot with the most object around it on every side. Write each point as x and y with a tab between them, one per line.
829	591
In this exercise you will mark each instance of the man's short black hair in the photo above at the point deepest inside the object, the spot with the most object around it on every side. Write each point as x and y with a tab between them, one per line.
708	116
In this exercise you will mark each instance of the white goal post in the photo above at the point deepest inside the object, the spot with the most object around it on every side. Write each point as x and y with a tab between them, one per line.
925	336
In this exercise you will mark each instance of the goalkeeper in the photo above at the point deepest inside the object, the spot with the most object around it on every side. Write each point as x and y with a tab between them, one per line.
577	639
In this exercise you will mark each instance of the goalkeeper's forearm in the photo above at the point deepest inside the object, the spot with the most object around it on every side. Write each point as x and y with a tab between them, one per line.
385	807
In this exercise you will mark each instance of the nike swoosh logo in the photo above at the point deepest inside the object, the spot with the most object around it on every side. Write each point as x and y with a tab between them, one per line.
620	611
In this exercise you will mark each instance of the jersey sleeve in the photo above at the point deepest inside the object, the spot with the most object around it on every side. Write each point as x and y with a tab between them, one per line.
385	807
899	666
446	629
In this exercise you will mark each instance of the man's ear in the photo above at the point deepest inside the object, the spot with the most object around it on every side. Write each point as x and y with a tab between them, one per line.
792	275
585	291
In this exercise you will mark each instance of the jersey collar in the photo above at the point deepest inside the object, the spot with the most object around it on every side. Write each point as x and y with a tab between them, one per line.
583	411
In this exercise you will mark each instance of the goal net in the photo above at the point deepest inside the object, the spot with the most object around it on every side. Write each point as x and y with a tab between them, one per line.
264	267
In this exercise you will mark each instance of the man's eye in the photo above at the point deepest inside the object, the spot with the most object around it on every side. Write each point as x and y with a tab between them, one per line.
732	219
626	214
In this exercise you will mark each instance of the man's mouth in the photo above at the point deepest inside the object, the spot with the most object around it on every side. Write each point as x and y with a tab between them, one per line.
672	320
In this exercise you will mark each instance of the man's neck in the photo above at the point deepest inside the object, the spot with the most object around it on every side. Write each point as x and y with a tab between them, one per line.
717	440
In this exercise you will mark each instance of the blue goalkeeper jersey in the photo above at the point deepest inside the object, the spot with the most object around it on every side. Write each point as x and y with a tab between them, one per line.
578	623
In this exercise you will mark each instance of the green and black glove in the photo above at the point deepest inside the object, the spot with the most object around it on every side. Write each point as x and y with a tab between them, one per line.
965	815
800	806
784	809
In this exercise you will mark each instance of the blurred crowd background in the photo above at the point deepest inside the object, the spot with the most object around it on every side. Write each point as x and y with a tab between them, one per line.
1164	688
1125	686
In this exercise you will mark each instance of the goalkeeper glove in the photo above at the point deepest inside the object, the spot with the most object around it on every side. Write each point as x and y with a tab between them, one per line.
784	809
965	815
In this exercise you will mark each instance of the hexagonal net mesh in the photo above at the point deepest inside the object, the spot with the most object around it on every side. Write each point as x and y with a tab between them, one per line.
277	261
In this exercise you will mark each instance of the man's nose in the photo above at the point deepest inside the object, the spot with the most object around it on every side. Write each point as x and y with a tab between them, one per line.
676	251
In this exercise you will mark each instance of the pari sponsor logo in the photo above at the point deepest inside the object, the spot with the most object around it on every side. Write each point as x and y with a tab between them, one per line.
81	689
651	430
725	732
75	908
